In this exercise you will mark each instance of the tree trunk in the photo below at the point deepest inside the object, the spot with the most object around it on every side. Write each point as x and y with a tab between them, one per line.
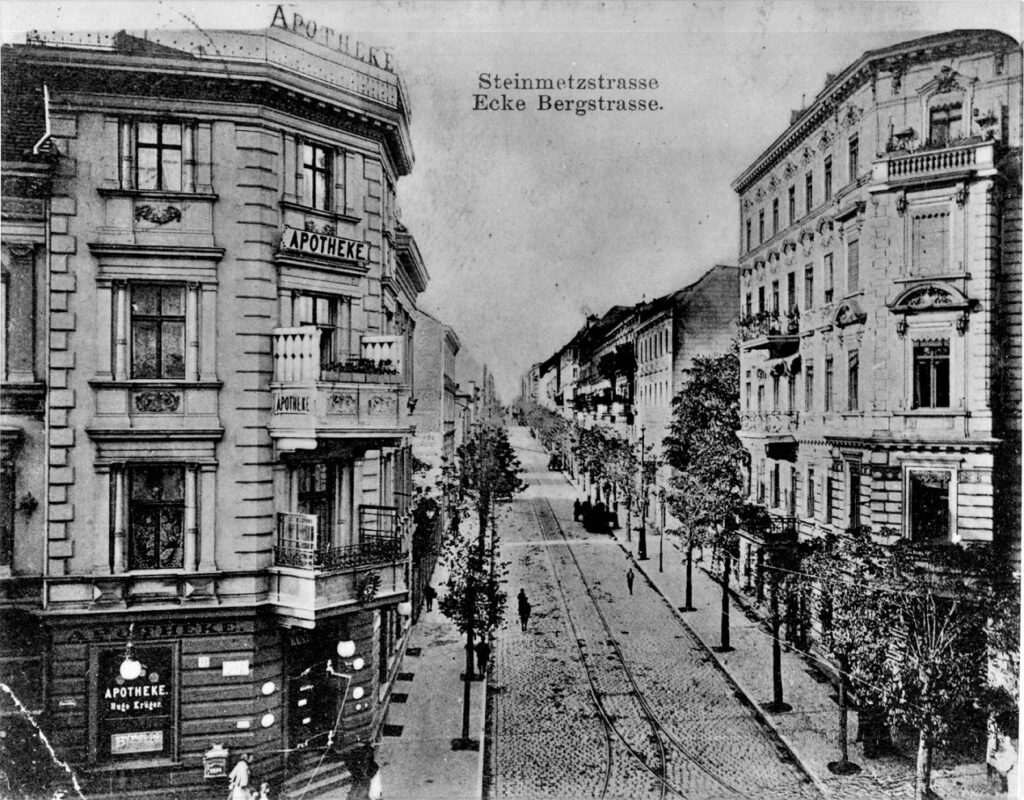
468	683
844	720
923	783
778	701
689	576
726	569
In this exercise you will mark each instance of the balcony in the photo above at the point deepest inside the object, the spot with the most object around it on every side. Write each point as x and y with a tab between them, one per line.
311	575
776	430
771	331
357	397
944	163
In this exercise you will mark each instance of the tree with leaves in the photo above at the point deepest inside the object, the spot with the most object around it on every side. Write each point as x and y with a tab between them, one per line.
708	461
486	471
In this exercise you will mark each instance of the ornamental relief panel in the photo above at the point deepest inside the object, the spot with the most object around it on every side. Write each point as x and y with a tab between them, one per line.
157	402
382	404
342	403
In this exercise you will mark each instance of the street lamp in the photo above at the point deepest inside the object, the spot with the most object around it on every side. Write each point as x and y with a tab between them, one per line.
642	549
661	535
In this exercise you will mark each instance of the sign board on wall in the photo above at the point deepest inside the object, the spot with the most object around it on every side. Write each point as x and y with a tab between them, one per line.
323	245
135	717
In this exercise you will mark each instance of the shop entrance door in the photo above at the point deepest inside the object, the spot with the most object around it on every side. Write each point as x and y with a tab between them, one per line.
314	700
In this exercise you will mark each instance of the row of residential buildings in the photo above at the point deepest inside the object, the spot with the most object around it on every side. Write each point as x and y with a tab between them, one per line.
216	384
876	306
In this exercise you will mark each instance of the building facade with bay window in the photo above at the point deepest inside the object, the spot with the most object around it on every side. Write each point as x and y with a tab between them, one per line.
880	352
209	311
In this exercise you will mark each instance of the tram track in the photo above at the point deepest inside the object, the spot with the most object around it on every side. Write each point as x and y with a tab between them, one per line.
608	658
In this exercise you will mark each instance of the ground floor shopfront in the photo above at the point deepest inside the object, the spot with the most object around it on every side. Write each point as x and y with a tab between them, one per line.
199	692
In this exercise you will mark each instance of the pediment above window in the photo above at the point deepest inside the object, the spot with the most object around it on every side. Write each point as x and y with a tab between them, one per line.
930	297
849	313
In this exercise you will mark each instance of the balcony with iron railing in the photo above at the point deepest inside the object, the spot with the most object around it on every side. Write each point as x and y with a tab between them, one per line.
317	393
313	574
774	331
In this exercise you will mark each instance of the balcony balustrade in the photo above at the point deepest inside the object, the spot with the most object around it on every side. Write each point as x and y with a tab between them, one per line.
300	545
770	422
935	163
352	397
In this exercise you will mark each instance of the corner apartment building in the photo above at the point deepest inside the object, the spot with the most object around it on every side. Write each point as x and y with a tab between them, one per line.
881	265
206	429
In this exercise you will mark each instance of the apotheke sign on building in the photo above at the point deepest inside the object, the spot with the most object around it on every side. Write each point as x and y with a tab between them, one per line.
323	245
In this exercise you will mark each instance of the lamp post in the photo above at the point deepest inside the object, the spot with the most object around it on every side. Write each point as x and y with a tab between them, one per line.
661	534
642	548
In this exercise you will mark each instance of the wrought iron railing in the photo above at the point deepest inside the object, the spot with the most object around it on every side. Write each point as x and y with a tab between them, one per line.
381	541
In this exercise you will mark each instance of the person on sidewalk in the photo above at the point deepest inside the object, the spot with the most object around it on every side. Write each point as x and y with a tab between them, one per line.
430	593
483	654
576	509
630	575
238	780
524	609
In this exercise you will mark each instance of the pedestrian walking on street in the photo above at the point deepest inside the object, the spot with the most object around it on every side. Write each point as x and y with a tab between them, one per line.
430	593
576	509
483	654
629	579
524	609
238	780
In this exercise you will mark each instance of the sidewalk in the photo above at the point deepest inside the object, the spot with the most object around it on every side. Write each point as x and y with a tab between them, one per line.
810	730
426	705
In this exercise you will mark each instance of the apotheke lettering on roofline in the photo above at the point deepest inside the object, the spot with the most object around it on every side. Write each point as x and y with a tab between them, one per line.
328	37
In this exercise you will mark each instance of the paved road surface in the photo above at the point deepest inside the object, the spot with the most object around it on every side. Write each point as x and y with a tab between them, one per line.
609	695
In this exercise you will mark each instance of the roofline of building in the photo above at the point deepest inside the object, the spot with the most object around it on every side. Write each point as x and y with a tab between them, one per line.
860	72
409	254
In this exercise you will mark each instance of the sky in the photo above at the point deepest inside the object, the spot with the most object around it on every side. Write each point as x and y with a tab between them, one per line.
529	220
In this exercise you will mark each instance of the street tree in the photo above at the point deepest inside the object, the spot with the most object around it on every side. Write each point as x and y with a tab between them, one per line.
485	472
708	460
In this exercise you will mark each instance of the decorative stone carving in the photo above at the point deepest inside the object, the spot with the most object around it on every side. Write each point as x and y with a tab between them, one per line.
849	313
901	203
928	297
826	140
157	402
382	404
340	403
327	229
789	170
850	116
961	194
807	240
886	473
151	214
807	155
974	476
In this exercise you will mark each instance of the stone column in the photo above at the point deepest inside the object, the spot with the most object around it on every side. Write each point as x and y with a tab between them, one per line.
193	297
191	517
120	330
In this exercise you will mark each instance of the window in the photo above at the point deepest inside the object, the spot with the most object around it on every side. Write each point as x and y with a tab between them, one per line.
749	304
791	394
775	393
854	492
7	495
747	392
760	299
829	278
792	204
828	178
809	386
809	286
158	331
775	216
760	226
810	492
135	718
931	374
156	509
158	160
852	380
791	292
333	316
944	123
775	485
930	237
929	505
750	243
828	383
316	177
853	267
809	192
791	500
853	152
760	398
830	508
775	297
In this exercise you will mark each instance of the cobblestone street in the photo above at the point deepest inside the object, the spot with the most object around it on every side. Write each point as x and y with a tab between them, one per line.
607	694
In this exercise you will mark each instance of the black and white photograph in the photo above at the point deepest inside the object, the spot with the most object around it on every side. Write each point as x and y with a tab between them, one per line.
510	399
